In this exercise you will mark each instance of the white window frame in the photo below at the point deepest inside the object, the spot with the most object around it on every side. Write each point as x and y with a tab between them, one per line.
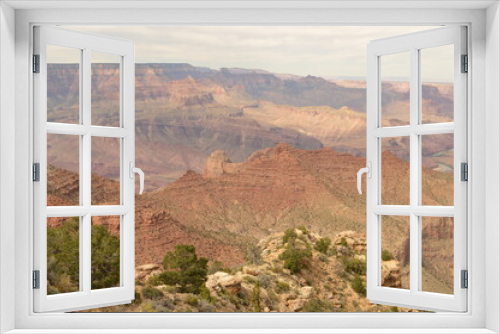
85	43
484	103
412	44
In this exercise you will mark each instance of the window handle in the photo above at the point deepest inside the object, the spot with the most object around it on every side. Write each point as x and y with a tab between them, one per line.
133	170
368	171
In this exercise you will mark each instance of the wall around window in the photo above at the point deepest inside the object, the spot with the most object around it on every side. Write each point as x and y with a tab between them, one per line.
7	167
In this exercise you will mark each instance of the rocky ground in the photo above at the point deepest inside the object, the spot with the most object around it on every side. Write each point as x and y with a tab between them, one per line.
333	280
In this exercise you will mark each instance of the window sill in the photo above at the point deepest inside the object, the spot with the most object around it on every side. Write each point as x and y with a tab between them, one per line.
250	331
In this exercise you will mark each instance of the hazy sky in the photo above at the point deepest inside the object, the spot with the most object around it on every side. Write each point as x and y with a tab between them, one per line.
314	50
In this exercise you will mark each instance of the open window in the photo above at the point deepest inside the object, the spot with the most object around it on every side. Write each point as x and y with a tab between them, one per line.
71	150
403	164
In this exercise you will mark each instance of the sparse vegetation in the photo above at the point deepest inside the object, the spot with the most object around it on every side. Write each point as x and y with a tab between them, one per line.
192	300
282	287
294	258
358	285
322	245
185	269
154	280
152	293
316	305
387	256
303	229
217	266
343	242
253	254
354	265
290	234
255	303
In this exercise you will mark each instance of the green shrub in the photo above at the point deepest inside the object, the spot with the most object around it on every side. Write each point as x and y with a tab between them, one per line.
184	268
295	259
205	294
63	261
386	255
154	280
316	305
215	267
152	293
290	234
358	285
282	287
322	245
137	298
343	242
192	300
255	303
354	265
394	309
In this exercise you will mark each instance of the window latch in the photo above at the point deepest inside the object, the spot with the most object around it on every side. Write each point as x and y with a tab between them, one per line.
368	171
132	171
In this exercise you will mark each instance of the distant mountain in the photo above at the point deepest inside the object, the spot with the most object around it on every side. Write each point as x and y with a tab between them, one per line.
183	113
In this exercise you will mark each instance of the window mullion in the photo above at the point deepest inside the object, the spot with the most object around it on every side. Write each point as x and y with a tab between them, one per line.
85	246
414	171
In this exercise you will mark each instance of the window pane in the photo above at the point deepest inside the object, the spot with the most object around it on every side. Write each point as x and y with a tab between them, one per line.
437	75
105	89
395	183
395	89
437	254
105	252
105	171
63	255
63	84
395	252
63	170
437	169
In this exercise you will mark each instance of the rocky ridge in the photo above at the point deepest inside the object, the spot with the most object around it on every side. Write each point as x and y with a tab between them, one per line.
327	284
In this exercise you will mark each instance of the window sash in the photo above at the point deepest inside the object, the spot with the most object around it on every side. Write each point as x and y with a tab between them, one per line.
413	298
86	298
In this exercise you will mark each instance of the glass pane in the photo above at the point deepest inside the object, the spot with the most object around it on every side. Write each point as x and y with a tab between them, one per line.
395	252
395	182
437	169
63	84
395	89
437	254
63	170
105	89
105	245
63	255
437	75
105	171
